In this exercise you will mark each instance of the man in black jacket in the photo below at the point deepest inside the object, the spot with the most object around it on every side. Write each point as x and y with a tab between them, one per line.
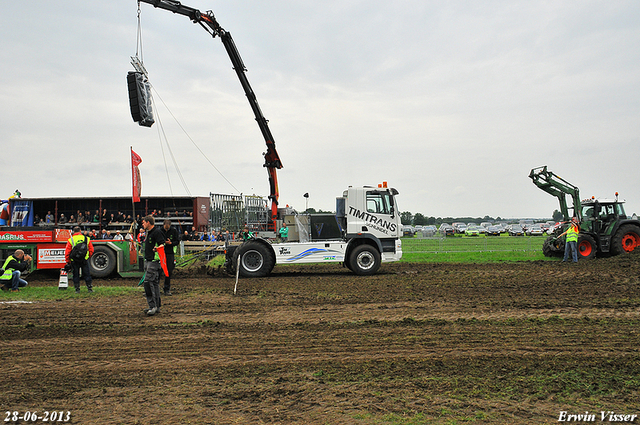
171	239
152	265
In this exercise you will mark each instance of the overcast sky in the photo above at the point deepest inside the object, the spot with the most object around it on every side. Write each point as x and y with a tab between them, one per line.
452	103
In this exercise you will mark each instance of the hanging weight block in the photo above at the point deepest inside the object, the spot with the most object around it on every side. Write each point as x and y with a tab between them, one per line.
140	98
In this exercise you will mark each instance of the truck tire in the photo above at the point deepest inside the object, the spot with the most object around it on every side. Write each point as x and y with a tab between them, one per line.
256	259
364	260
552	247
626	239
103	262
586	247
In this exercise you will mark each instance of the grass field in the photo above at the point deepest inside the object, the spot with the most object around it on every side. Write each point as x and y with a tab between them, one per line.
422	250
480	249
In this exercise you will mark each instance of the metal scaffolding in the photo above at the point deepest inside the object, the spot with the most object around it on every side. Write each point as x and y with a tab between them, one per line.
233	212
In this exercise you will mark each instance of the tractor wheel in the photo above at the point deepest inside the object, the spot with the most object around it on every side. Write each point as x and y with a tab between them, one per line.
256	260
229	264
365	260
626	239
103	262
552	247
586	247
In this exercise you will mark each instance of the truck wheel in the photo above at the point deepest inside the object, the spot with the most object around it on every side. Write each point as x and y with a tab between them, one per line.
586	247
626	239
256	260
103	262
365	260
552	247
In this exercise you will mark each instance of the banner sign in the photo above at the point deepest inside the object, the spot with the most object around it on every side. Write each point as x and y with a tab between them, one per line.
51	256
21	213
63	235
14	236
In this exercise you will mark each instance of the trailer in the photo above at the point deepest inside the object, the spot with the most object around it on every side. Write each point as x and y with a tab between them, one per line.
27	228
47	247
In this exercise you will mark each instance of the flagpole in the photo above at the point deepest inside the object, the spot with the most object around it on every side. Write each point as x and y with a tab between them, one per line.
135	179
133	216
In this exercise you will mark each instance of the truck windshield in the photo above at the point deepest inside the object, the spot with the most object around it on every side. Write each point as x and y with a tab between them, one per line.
378	202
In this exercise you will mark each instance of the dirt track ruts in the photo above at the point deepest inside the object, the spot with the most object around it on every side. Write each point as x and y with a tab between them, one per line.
316	344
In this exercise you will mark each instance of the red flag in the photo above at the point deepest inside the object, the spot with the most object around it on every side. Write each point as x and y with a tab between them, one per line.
163	259
135	175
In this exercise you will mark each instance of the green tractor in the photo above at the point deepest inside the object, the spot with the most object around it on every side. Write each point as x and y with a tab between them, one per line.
604	226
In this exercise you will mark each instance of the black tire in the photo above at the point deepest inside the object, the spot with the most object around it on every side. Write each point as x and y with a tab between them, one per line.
103	262
552	247
229	263
626	239
587	248
348	265
364	260
256	259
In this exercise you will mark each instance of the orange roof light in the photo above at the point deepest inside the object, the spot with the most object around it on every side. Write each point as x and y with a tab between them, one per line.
384	185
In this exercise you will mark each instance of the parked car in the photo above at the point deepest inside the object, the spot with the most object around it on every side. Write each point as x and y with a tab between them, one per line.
553	228
472	231
408	231
429	231
459	227
493	230
516	230
535	230
446	229
525	223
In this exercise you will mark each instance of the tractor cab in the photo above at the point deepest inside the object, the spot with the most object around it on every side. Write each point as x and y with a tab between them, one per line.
599	215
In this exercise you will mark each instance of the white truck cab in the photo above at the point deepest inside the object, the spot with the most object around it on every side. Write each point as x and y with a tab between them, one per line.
364	232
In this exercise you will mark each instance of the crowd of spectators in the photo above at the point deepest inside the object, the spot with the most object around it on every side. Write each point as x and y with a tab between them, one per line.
103	224
104	218
213	236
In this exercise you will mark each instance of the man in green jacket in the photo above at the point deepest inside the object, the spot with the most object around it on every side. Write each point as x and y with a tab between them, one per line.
284	232
14	266
80	264
571	242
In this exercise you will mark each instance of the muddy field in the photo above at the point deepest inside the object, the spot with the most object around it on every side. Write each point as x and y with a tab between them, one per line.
417	343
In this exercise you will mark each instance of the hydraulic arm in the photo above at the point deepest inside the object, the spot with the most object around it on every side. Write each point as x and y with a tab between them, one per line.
208	21
558	187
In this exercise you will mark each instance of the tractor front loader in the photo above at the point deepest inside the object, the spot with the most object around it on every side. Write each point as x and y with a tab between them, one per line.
604	226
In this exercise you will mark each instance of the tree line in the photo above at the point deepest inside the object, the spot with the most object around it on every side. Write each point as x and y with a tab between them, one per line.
419	219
